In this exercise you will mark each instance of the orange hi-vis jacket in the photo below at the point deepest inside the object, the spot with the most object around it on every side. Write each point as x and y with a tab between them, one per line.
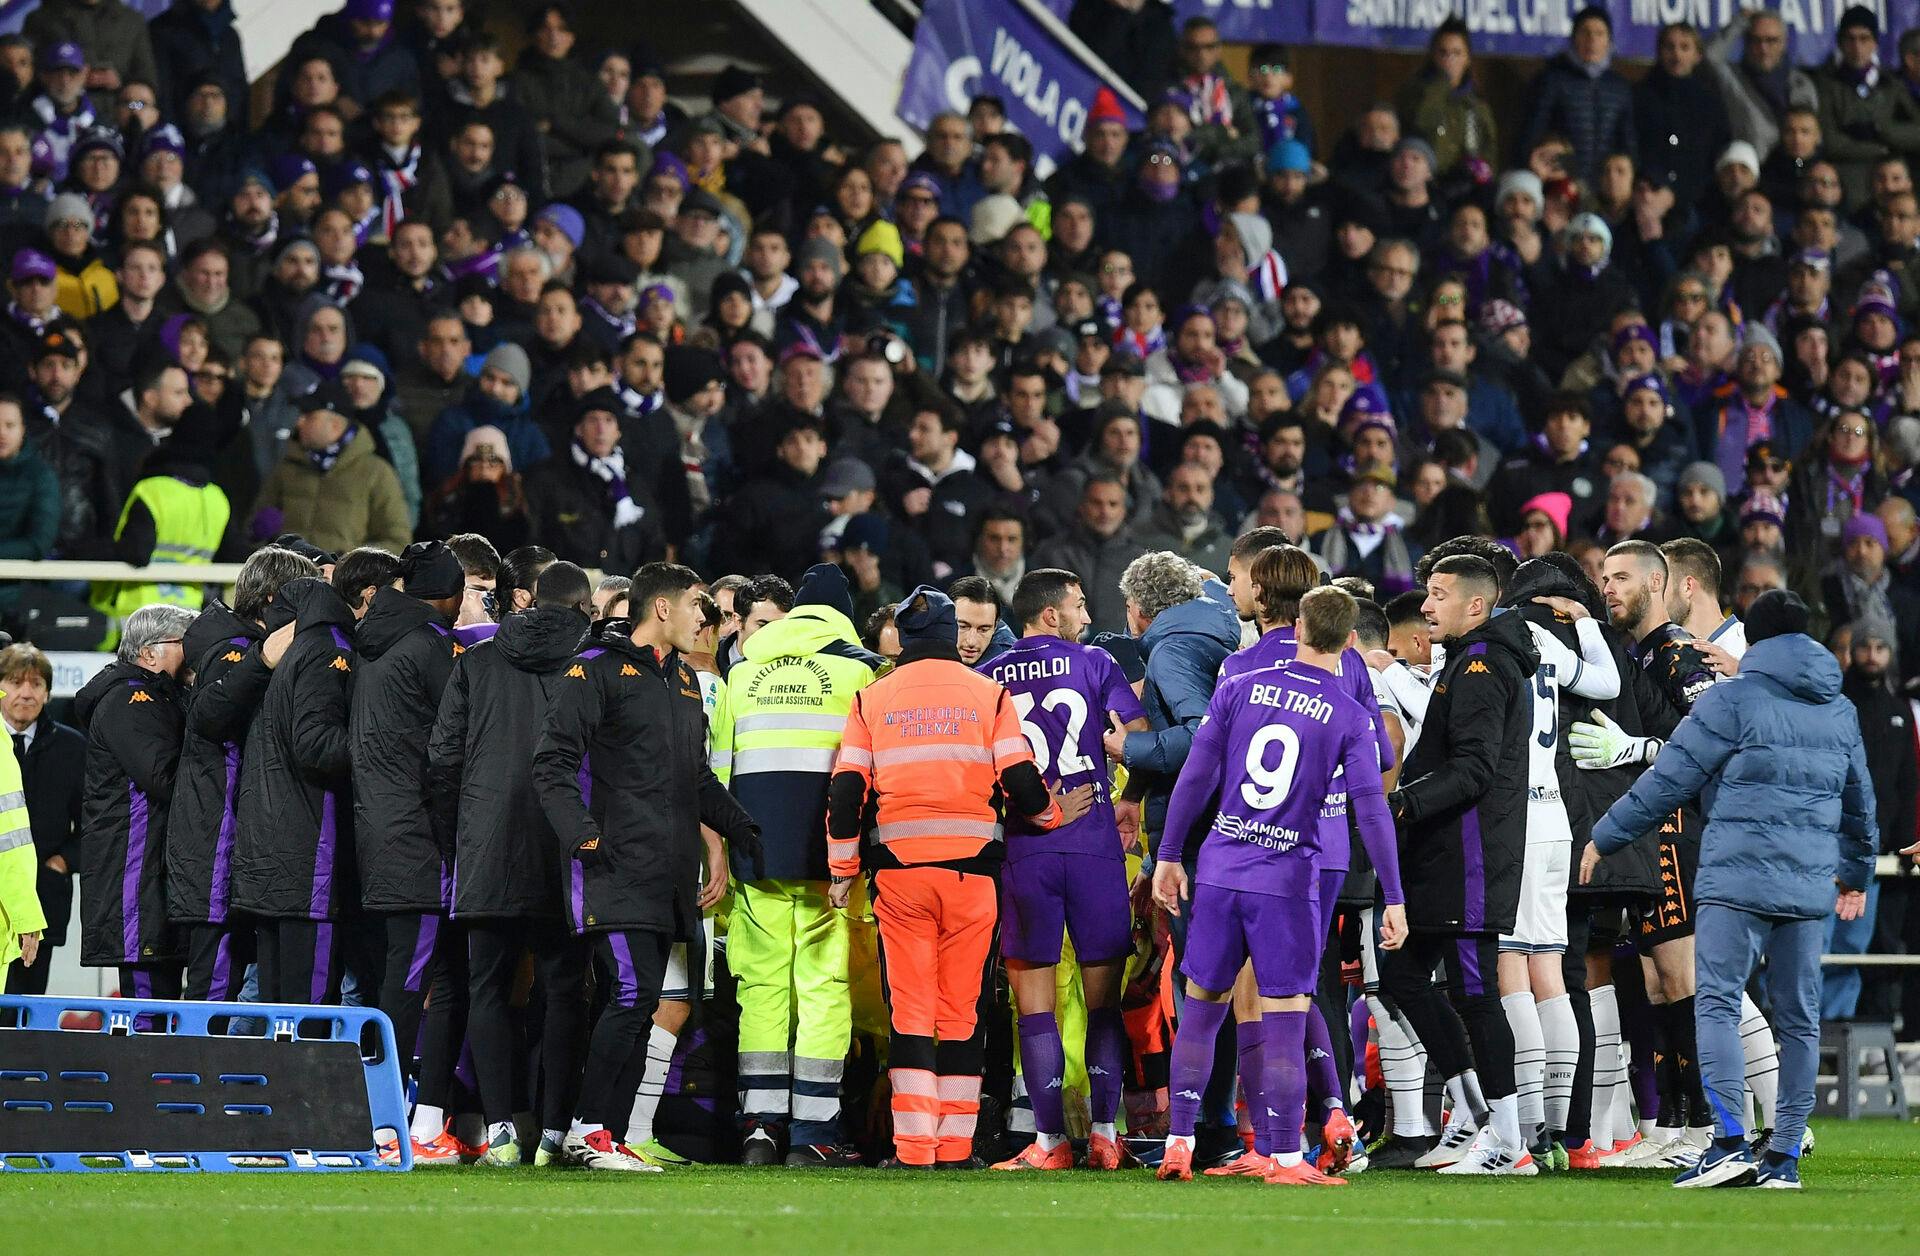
931	740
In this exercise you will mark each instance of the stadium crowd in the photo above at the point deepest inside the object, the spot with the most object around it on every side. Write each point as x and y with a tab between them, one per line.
867	447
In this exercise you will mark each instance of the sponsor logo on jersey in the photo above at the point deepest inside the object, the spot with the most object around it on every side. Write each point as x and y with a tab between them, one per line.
628	669
576	672
139	695
340	664
1479	667
232	656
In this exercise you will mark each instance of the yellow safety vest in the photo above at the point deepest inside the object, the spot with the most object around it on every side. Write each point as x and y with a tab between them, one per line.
19	869
188	522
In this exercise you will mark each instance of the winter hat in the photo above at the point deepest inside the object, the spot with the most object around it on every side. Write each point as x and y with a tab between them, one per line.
867	531
1860	16
825	585
345	175
926	617
1775	613
566	220
69	207
882	237
1757	335
1630	333
1256	235
1865	524
431	571
367	360
689	370
511	360
486	434
1524	181
1706	473
1593	225
1739	153
289	168
1498	317
1764	508
993	217
368	11
733	81
1414	144
1557	507
1876	299
163	139
671	166
1106	108
844	476
820	249
728	283
98	137
1290	156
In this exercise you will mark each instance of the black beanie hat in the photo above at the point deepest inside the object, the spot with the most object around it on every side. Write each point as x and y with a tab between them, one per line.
825	585
927	615
1775	613
430	571
690	369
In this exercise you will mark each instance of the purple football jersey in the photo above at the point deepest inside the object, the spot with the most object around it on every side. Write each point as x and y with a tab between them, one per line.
1062	692
1278	646
1271	745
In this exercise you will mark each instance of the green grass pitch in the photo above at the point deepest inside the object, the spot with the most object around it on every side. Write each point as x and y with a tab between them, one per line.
1862	1197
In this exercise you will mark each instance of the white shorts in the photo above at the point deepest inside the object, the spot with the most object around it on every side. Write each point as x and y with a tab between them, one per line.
674	985
1540	925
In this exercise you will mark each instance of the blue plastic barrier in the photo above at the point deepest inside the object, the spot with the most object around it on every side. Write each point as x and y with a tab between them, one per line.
211	1087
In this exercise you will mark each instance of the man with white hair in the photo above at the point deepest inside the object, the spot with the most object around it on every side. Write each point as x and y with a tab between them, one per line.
1629	510
134	719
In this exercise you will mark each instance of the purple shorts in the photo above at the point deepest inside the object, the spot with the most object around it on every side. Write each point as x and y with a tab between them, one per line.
1281	935
1045	894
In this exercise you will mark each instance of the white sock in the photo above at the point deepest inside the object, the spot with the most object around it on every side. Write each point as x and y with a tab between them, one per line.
1562	1033
1529	1058
653	1083
1506	1123
1046	1141
1287	1159
1105	1129
1606	1062
1403	1063
1179	1140
1476	1098
428	1123
583	1128
1650	1129
499	1133
1763	1062
1020	1109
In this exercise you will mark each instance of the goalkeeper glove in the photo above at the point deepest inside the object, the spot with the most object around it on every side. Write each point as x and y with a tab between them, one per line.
1604	744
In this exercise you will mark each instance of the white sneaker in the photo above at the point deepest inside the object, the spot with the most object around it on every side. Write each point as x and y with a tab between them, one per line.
1490	1157
1652	1151
1685	1152
1454	1141
598	1150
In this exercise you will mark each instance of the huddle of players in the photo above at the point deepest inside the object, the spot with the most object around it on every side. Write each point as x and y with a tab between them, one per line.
1471	737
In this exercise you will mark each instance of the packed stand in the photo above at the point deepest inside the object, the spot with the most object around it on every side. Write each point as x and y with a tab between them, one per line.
1648	338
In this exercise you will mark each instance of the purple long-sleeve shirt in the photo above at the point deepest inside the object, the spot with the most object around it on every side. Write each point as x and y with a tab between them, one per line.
1272	745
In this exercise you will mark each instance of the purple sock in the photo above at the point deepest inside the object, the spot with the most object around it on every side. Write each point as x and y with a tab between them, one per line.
1192	1062
1323	1079
1286	1078
1106	1062
1252	1041
1043	1065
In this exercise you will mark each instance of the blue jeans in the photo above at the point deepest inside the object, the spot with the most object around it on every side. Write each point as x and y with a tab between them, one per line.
1728	945
1841	997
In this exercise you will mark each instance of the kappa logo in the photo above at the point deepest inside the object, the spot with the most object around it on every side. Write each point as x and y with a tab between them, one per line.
340	664
628	669
1477	667
139	695
232	656
1189	1094
1317	1054
458	649
1054	1084
576	672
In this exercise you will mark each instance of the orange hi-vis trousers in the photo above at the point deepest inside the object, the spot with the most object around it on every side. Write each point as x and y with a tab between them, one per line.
937	930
